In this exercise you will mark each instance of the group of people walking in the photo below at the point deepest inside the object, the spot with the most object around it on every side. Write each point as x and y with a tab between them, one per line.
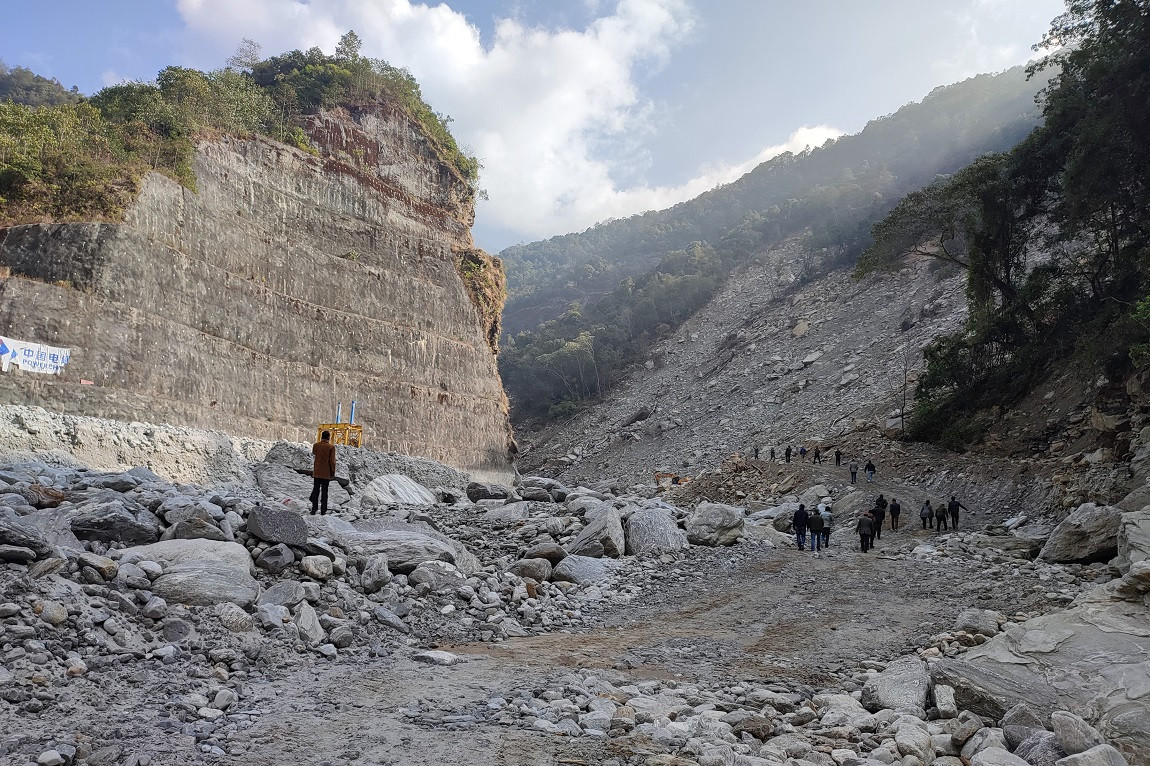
817	457
817	523
870	522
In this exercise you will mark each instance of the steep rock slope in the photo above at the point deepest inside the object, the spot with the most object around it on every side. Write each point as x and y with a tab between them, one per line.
773	359
283	284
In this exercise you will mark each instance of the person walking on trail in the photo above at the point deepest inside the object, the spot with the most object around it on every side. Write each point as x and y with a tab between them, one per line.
322	472
825	513
869	468
879	514
940	518
953	507
803	453
838	457
756	452
801	521
926	513
816	527
895	512
854	469
787	453
818	458
865	529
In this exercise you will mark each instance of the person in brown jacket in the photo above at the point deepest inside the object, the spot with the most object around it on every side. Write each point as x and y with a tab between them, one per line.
322	472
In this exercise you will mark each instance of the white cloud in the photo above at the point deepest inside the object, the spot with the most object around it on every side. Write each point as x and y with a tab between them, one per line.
110	77
979	24
536	104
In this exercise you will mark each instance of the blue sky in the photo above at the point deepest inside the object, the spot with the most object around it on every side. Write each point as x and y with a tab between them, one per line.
580	110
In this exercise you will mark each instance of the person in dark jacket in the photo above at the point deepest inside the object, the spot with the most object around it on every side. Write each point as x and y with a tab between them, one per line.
879	514
818	458
870	469
801	521
787	453
838	457
322	472
815	524
940	518
895	512
926	513
953	507
865	529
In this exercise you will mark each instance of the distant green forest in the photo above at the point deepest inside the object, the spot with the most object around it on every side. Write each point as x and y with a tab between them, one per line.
1054	235
584	308
65	157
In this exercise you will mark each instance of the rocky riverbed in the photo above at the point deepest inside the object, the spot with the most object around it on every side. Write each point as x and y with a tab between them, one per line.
429	619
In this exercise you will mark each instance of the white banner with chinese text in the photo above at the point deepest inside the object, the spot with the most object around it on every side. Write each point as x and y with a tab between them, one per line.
32	357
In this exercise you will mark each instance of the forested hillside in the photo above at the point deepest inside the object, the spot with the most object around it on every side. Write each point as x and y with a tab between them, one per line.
64	157
583	307
1054	235
26	87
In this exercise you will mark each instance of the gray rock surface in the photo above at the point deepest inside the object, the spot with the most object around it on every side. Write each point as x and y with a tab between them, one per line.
109	519
653	530
1040	748
714	524
601	536
277	525
1088	534
1085	658
535	569
1100	755
202	572
376	573
395	489
903	687
1073	733
276	558
1133	539
982	621
14	531
582	569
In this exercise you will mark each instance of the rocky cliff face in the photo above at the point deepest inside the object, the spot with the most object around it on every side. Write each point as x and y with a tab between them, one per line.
284	283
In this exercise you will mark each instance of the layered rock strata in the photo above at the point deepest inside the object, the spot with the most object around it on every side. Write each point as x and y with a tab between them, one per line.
284	283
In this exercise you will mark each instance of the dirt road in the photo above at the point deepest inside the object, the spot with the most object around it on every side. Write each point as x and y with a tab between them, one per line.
755	615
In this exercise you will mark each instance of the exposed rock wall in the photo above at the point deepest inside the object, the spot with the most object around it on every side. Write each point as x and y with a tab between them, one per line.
283	284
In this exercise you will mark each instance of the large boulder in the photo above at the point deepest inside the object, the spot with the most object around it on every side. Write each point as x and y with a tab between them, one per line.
282	483
811	497
395	489
201	572
477	491
601	536
981	621
715	524
1087	535
1087	658
16	532
277	525
533	569
1133	539
109	518
583	569
406	546
903	687
653	530
509	514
